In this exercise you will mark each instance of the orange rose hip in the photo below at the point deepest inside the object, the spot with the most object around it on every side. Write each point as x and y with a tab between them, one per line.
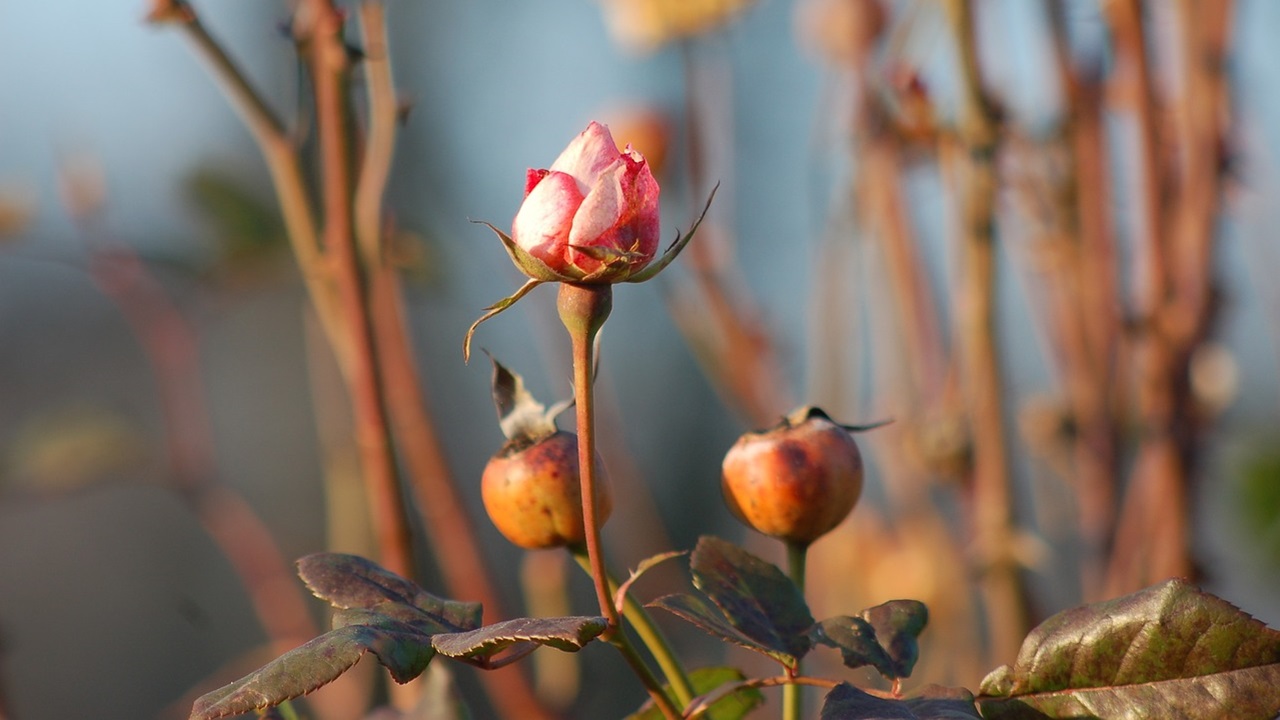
796	481
532	492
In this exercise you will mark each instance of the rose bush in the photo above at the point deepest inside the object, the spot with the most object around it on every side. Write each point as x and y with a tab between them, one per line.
595	208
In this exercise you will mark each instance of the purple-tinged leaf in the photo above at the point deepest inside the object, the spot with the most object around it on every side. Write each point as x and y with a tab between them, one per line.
846	702
709	618
563	633
1249	694
732	706
897	624
856	641
1170	649
404	651
936	702
754	595
407	615
350	581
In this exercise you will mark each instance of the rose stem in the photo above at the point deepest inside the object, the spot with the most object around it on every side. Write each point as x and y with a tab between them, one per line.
649	634
583	310
792	693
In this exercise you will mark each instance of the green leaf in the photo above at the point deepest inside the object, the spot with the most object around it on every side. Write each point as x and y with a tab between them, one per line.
569	634
402	649
350	581
733	706
856	640
846	702
709	618
898	624
754	595
1171	649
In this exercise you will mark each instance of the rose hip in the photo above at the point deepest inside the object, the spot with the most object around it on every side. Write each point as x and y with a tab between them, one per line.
796	481
533	495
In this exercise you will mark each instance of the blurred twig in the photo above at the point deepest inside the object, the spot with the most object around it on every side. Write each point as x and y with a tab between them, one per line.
1064	198
879	198
977	349
323	41
357	295
1174	292
283	162
444	514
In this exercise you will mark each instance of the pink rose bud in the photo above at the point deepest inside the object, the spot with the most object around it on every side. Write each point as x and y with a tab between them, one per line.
593	215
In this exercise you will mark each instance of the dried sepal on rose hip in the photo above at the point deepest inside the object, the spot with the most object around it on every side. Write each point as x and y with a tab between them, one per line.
532	487
795	481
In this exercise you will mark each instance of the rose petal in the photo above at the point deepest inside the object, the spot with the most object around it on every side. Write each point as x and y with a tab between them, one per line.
603	208
544	221
588	156
531	179
645	194
620	213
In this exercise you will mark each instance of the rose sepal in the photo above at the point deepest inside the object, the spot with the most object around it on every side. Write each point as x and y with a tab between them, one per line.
614	266
494	309
676	247
525	262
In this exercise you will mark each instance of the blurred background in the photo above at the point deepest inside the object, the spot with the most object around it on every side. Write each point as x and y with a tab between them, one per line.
1038	235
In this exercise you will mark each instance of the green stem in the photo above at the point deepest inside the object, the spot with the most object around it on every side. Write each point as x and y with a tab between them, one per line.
649	633
792	698
651	683
653	639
